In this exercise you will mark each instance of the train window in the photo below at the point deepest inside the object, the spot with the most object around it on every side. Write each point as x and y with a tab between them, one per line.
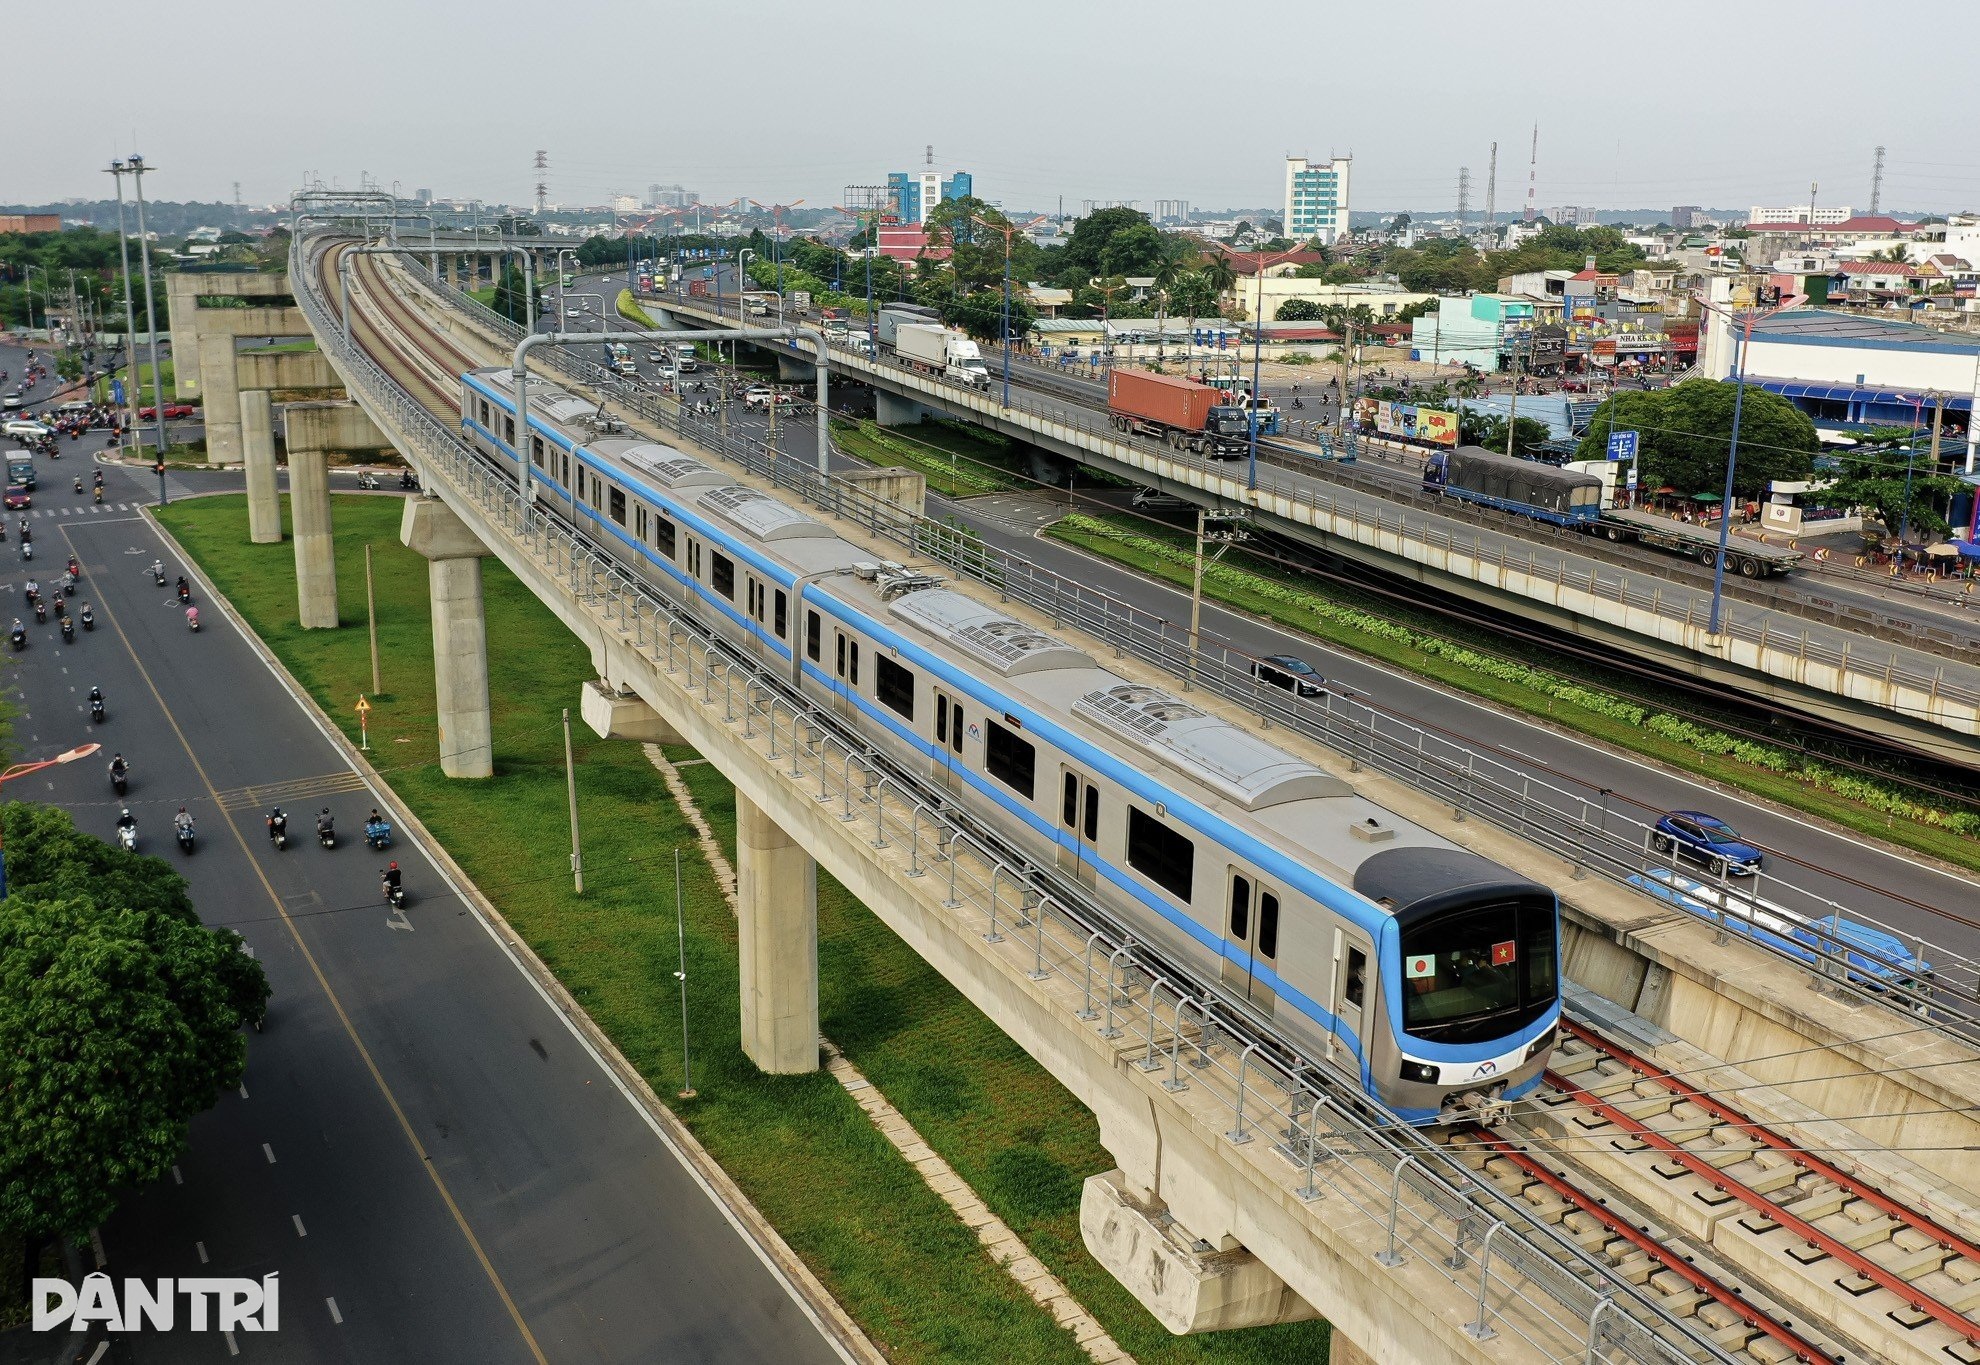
811	645
1268	924
639	524
567	467
664	536
1240	907
1012	761
1160	854
722	574
1357	977
1069	803
1478	972
536	451
841	660
618	507
956	727
852	664
1092	813
509	432
694	558
941	719
781	615
484	413
894	685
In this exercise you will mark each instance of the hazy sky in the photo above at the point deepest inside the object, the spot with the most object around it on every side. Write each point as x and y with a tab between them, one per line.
1729	103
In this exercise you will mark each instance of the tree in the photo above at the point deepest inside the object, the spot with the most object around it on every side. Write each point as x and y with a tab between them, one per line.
981	314
1298	310
510	291
1134	250
1873	477
1684	434
1091	236
120	1019
1476	428
1399	224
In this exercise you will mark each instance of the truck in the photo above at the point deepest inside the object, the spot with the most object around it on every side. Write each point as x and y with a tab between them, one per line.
1188	415
20	468
896	315
1573	500
941	350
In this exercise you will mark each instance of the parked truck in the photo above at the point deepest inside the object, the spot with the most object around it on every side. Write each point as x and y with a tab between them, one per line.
943	351
1186	414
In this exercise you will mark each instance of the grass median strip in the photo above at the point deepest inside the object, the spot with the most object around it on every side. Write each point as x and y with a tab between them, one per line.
914	1276
1942	828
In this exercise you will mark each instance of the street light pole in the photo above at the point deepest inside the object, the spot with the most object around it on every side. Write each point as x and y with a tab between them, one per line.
22	770
137	169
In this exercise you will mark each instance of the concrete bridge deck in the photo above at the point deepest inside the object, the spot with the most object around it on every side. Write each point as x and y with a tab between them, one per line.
1922	699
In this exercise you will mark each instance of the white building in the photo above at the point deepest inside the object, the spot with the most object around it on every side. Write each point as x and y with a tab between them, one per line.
1317	198
1797	213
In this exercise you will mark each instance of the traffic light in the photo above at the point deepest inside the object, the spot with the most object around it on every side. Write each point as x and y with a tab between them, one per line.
159	468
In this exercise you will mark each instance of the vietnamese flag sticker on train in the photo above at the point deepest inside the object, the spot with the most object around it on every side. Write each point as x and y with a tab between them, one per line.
1504	954
1415	968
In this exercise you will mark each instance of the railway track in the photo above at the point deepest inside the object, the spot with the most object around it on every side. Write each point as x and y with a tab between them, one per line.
1776	1250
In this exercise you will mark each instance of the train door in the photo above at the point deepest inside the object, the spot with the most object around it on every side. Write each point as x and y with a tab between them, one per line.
846	668
1349	997
1251	936
951	723
1079	819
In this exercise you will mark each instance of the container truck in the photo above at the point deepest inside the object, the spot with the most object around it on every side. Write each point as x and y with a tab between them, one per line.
896	315
1572	499
942	351
1186	414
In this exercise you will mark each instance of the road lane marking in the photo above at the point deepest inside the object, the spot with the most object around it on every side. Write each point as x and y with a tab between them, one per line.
96	1247
297	1219
232	1349
243	1089
335	1316
350	1027
200	1247
268	1152
177	1179
97	1354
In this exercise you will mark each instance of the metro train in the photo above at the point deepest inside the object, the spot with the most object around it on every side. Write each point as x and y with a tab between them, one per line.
1426	973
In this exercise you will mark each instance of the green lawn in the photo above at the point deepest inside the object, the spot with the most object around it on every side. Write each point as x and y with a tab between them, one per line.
1284	607
954	462
913	1276
146	392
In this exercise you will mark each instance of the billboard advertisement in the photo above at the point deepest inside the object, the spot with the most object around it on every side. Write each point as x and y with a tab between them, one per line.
1406	421
1437	426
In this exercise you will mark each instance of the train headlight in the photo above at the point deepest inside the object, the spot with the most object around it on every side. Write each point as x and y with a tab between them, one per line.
1424	1073
1540	1044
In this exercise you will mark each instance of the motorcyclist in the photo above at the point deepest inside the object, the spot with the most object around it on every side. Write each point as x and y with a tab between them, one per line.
125	820
182	822
118	768
278	823
185	589
88	616
192	617
95	696
75	567
392	879
324	824
33	589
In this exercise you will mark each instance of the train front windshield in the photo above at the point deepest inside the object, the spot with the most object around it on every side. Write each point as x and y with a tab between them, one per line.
1479	972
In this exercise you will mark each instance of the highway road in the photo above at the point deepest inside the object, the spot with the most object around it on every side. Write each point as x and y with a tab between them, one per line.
1918	897
437	1165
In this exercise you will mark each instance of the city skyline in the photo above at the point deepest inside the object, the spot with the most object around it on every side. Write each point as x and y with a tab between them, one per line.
1152	122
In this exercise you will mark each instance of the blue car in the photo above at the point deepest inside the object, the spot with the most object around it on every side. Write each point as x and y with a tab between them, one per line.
1707	840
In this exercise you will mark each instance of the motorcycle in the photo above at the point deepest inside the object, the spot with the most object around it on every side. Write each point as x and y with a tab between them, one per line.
88	619
367	480
96	710
68	631
127	836
19	636
185	838
395	892
120	782
408	482
79	487
192	619
40	612
278	833
326	836
69	583
378	834
27	549
158	573
185	593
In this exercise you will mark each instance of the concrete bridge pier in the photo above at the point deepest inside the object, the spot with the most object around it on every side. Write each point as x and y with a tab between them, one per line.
891	410
316	545
777	909
258	454
792	370
460	634
620	713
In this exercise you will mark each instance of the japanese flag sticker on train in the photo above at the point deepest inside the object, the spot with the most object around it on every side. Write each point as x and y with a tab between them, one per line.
1503	954
1415	968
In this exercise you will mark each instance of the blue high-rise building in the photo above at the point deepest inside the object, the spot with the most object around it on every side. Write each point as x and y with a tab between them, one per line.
904	193
961	185
913	193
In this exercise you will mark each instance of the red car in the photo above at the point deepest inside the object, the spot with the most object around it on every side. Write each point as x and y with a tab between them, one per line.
17	497
173	411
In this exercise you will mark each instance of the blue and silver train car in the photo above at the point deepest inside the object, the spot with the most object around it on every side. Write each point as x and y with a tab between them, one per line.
1565	497
1427	973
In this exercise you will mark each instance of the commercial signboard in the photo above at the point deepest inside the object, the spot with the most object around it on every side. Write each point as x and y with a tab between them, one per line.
1407	421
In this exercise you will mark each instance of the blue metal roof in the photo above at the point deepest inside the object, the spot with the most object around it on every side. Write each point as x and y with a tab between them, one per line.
1843	393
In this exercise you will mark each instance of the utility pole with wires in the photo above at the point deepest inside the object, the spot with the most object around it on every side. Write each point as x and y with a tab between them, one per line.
1876	186
542	169
1226	535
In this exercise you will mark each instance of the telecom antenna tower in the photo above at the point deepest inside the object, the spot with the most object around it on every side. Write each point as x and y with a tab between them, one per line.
1492	193
542	178
1876	186
1533	177
1464	199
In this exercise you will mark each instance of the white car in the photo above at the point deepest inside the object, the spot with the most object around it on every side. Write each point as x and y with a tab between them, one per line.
757	396
21	426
